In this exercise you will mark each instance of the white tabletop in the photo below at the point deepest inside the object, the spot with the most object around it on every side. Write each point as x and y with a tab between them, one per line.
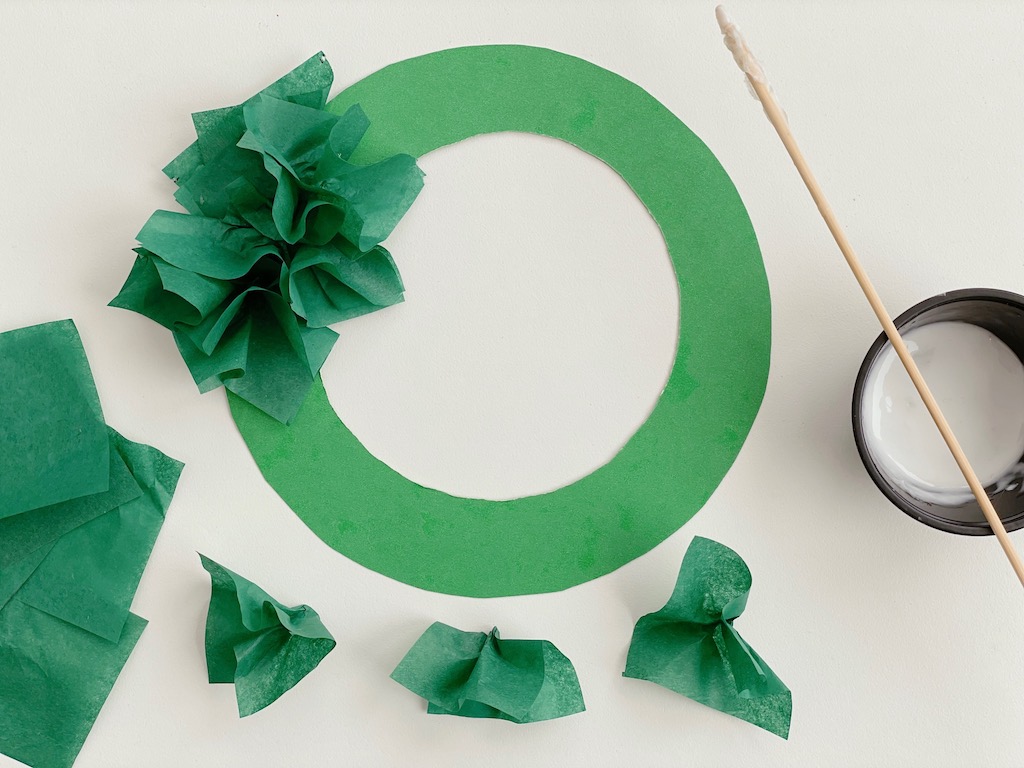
901	644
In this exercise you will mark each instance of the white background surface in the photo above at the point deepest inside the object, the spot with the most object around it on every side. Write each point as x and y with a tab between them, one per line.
902	645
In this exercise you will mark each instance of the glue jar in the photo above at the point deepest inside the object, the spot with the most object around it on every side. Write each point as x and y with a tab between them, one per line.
969	345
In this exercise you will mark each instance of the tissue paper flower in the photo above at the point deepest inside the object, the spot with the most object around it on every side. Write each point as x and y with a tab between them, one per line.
281	239
255	642
691	647
472	674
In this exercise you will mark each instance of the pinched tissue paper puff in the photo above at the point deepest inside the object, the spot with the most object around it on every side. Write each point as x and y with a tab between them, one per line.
691	647
68	570
255	642
475	674
281	239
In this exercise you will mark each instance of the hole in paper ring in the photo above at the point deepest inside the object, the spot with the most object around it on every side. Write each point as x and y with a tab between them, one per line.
539	326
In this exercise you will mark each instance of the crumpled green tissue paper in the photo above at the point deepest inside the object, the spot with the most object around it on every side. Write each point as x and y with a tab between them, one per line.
691	647
281	239
476	674
255	642
73	544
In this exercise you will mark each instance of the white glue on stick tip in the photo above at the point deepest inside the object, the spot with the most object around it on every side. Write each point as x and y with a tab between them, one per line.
734	41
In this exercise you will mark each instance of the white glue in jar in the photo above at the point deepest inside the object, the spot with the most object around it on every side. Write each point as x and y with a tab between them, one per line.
969	346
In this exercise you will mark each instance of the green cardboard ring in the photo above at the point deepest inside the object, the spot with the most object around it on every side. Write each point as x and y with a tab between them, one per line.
668	469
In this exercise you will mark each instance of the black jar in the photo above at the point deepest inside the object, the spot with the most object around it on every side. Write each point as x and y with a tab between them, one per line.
1000	313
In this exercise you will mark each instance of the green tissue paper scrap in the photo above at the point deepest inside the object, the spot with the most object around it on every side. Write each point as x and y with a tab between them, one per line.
51	424
691	647
69	568
255	642
474	674
54	678
281	239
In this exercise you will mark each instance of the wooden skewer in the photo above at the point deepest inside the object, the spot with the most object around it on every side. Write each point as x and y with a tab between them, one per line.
755	75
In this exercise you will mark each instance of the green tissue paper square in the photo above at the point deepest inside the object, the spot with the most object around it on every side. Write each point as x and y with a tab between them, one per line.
255	642
475	674
54	678
691	647
53	442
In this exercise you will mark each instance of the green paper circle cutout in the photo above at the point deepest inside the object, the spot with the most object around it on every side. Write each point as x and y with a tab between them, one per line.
672	464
